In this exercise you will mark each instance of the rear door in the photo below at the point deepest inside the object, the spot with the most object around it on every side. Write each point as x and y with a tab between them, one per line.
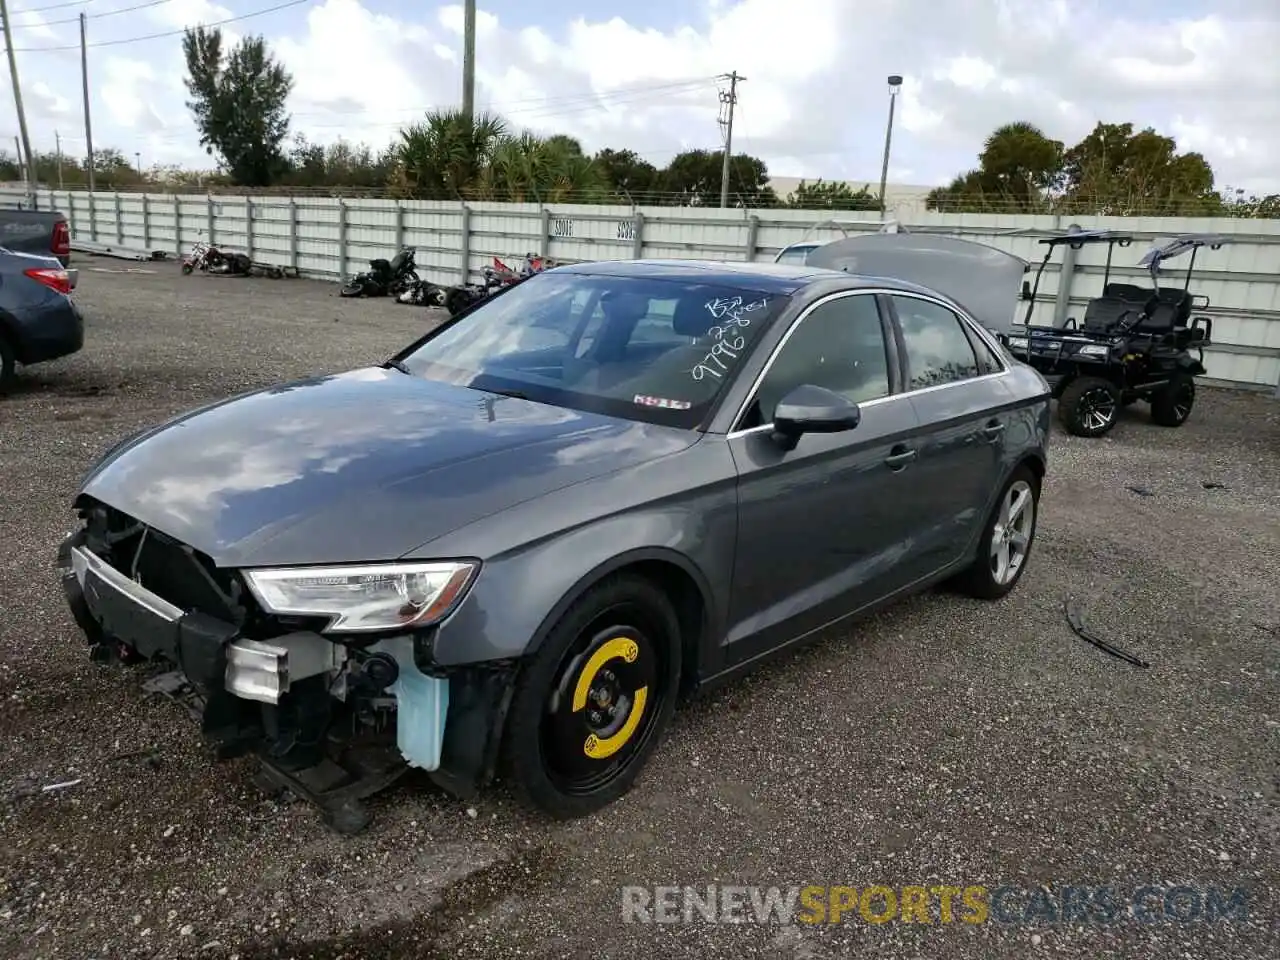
955	384
824	528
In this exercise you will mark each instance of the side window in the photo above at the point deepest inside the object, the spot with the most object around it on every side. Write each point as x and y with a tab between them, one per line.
840	346
937	347
987	361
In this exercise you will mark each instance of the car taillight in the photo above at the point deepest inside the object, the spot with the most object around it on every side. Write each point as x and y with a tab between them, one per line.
61	246
58	280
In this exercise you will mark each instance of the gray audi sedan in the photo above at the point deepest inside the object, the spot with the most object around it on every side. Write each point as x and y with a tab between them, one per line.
506	552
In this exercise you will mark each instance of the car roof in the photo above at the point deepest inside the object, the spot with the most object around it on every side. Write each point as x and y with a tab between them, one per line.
765	277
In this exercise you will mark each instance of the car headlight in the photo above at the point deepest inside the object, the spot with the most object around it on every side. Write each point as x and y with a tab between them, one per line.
365	598
1018	343
1094	350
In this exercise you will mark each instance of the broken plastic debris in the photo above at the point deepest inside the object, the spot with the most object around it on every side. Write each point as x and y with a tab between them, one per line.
1077	624
66	784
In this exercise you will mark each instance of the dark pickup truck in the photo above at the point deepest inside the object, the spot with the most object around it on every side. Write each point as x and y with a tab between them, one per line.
42	232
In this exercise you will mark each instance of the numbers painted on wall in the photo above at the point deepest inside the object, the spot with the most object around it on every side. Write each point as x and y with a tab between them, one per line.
561	227
626	229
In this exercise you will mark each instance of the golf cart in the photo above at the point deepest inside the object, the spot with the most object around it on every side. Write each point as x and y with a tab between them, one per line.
1133	343
798	252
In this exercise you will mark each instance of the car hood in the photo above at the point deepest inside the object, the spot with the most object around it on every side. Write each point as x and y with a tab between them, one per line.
358	467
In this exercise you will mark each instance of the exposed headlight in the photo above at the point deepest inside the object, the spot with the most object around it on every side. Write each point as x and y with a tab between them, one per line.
360	599
1018	343
1094	350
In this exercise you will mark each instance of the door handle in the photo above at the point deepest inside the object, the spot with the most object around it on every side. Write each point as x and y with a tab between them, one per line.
993	430
899	457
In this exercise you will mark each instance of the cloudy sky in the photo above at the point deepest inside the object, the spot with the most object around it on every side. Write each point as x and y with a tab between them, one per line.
641	74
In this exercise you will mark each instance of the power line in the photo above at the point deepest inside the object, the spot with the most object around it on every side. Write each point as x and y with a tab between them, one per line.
91	16
56	6
167	33
503	106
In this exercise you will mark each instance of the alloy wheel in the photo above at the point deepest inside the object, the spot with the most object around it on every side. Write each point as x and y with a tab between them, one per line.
1183	399
1097	409
1011	534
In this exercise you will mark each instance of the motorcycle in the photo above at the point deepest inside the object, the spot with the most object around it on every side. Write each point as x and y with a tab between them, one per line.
497	277
384	277
424	293
209	259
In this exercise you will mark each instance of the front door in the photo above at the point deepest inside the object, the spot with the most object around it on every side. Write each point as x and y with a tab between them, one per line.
824	528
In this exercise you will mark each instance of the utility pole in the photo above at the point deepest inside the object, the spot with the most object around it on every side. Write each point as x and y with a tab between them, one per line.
84	82
728	100
57	140
469	60
17	102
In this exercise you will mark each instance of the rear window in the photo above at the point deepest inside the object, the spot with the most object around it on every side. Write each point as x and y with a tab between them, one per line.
644	348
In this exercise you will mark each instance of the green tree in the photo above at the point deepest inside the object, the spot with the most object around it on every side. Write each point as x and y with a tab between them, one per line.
340	164
9	166
629	176
693	178
238	101
821	195
446	155
1116	171
1019	171
530	169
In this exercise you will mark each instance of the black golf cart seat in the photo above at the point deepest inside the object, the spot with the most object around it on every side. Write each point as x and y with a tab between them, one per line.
1128	291
1104	314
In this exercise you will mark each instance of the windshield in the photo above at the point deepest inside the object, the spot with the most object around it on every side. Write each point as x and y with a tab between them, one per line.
644	348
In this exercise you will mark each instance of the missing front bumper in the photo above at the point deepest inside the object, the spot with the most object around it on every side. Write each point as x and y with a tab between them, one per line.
303	691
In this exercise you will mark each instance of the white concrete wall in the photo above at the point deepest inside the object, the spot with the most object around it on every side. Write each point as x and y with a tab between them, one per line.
333	238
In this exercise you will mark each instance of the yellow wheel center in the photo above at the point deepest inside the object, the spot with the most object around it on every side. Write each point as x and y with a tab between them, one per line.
618	648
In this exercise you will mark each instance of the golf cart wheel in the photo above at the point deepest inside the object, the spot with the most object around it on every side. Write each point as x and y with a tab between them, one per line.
1005	547
8	366
1171	405
1089	406
592	703
351	290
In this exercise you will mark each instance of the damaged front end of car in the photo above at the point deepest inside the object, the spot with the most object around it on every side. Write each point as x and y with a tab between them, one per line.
326	674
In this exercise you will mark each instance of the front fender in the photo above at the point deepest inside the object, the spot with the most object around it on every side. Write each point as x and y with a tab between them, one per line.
518	599
539	557
1189	364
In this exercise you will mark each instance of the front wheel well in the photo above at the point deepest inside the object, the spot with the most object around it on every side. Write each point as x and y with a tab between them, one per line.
689	604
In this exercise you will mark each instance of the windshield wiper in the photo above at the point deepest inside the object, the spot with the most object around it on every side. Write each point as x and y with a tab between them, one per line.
396	365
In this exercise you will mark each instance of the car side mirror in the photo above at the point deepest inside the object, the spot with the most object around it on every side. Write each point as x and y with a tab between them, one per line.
811	409
1026	290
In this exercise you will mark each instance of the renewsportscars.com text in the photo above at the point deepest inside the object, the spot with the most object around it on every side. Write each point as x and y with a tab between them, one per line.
933	904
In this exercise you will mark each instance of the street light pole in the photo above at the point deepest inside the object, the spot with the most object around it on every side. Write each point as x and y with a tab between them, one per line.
895	84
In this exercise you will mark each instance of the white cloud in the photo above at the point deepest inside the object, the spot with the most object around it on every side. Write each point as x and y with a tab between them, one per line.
813	104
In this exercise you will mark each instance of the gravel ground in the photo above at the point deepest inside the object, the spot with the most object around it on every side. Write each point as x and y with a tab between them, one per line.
942	742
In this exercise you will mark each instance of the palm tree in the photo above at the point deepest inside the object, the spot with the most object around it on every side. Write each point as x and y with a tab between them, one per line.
530	169
448	153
